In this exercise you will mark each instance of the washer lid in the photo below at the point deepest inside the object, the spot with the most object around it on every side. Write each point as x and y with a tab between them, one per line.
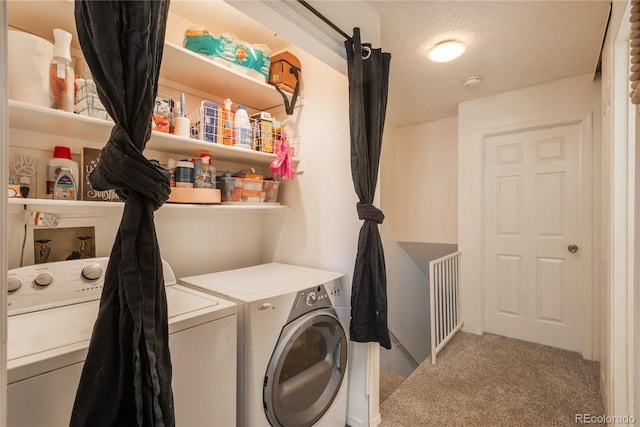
188	307
260	281
37	332
49	339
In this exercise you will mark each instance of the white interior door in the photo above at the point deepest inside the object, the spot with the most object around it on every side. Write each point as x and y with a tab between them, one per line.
532	223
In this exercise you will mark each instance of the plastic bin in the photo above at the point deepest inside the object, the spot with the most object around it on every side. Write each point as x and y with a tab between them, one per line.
249	191
87	102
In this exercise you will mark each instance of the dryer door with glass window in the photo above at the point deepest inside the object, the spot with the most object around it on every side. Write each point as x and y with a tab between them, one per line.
306	369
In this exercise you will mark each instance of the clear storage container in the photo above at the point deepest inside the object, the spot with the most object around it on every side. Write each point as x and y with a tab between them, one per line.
249	191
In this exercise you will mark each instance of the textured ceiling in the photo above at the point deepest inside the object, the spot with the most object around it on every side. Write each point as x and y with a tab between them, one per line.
510	44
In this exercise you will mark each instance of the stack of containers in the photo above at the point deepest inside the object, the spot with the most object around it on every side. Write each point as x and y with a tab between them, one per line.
221	124
193	180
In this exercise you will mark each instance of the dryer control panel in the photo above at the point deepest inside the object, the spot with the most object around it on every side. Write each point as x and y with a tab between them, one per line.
327	295
309	299
338	292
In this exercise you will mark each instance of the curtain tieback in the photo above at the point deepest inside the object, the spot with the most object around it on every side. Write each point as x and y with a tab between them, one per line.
368	211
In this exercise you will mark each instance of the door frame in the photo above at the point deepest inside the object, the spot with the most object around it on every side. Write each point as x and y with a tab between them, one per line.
584	121
4	167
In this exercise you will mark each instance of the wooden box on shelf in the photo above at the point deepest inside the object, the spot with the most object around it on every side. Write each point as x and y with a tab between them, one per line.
194	195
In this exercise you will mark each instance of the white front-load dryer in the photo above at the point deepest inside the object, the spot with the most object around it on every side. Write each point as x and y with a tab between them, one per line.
293	342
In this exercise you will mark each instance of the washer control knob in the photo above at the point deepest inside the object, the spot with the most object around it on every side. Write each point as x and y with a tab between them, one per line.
92	271
43	279
311	298
14	283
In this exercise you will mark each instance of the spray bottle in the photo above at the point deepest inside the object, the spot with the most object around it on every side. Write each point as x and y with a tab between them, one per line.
227	123
61	78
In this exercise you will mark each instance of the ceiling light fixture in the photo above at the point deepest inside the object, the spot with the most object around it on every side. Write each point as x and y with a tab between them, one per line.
446	51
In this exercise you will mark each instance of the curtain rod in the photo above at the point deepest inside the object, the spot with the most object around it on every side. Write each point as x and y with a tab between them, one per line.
324	19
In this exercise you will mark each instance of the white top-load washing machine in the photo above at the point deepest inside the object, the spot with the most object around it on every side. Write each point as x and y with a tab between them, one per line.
52	309
293	342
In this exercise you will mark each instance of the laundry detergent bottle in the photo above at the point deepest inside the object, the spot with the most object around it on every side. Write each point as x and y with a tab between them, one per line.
242	128
65	186
61	78
61	158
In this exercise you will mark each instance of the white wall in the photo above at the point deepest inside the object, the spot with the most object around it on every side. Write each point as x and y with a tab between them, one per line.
634	361
619	373
427	182
407	288
419	197
572	95
635	311
322	230
4	176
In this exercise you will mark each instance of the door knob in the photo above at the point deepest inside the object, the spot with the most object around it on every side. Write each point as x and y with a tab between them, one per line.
573	248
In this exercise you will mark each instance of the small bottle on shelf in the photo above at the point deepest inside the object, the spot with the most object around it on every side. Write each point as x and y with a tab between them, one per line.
203	178
227	123
171	168
242	128
175	113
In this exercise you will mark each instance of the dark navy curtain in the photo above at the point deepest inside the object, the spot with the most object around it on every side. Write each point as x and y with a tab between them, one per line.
368	72
126	379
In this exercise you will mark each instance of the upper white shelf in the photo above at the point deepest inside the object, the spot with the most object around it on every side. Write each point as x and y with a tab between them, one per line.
179	65
90	132
196	71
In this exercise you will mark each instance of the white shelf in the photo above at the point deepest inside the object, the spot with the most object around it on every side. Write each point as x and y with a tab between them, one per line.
196	71
265	207
58	207
179	65
169	143
63	206
34	118
91	132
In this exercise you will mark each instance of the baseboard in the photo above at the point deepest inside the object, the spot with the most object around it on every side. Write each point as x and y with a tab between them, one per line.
604	392
376	421
356	422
